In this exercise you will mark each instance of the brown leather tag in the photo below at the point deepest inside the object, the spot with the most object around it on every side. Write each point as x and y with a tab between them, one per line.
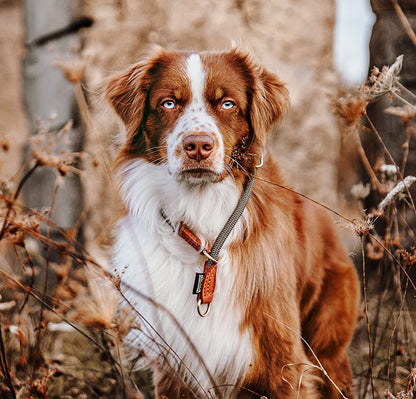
208	286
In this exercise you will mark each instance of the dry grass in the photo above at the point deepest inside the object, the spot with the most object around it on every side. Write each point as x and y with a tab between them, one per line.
60	327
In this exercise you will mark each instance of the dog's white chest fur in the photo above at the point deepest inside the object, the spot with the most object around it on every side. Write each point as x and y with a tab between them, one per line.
154	261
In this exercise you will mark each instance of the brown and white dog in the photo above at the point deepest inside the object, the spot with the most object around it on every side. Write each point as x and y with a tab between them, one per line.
196	126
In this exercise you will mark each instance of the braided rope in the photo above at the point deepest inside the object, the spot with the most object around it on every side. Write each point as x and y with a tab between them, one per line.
232	220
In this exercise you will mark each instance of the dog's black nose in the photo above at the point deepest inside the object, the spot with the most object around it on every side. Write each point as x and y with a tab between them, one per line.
198	146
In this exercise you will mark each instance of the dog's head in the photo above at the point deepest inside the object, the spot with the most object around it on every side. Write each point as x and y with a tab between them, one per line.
202	115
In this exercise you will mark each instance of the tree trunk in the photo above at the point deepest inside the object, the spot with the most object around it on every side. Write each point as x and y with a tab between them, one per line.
52	34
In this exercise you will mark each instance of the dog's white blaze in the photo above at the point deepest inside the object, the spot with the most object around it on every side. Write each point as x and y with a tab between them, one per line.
196	74
195	119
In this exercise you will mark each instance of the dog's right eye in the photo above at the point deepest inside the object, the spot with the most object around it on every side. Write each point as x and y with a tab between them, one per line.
168	104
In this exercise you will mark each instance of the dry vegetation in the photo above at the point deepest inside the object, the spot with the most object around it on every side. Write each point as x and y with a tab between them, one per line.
383	352
61	332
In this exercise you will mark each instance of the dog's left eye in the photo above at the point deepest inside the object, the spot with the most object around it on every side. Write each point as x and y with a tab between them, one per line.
227	104
169	104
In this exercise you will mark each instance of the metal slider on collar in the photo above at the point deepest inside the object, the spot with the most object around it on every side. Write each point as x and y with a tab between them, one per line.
206	254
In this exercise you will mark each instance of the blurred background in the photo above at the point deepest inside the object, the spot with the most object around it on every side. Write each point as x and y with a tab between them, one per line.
56	55
319	49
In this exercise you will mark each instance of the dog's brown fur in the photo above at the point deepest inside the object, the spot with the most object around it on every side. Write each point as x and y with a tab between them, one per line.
293	277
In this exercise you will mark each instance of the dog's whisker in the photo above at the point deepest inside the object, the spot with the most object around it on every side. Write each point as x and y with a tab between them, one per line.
156	149
232	161
160	160
238	165
229	170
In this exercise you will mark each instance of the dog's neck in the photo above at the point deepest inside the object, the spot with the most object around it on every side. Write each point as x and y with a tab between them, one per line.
204	208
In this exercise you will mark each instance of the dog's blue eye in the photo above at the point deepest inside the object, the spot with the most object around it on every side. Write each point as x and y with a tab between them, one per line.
227	104
169	104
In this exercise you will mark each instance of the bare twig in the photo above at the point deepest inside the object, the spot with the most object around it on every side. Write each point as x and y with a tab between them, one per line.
393	333
32	277
40	330
370	353
4	366
404	21
366	163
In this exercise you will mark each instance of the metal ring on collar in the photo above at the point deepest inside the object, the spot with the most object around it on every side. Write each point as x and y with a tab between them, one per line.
261	162
198	306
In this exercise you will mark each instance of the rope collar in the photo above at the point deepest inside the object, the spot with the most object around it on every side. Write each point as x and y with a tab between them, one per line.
204	285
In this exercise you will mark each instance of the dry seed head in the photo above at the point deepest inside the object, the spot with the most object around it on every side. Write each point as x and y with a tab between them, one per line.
405	113
374	250
408	257
363	226
73	68
115	278
411	381
126	321
19	225
390	171
47	150
41	383
387	175
384	81
403	395
349	109
97	306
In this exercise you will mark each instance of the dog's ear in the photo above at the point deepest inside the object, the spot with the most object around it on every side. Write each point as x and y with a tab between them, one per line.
270	102
127	94
127	91
268	97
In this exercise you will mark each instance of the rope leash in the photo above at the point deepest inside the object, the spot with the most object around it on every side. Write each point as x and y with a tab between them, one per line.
204	285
